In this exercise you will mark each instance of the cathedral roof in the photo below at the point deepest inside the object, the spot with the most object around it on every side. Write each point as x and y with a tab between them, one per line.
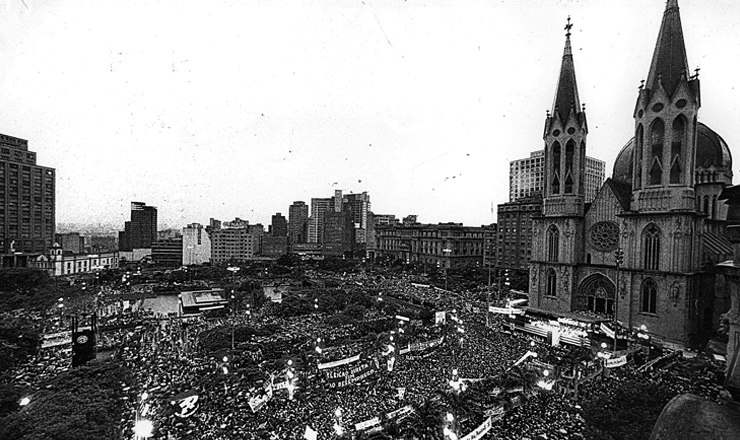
566	96
623	192
711	151
669	58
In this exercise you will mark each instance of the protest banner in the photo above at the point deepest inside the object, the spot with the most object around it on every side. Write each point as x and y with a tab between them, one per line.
480	431
339	362
616	362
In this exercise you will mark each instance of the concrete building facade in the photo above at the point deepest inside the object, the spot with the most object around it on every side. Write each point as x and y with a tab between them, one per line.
196	245
27	199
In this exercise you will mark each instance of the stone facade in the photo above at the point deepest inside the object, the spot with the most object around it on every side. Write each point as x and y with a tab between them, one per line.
660	208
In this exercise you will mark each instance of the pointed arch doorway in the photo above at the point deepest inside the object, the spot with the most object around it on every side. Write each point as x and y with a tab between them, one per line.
595	294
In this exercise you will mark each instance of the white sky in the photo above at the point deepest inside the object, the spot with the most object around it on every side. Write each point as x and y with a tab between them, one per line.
224	109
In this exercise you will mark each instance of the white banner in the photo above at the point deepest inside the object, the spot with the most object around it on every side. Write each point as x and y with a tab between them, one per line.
310	434
339	362
400	413
607	331
616	362
506	310
419	346
440	318
257	402
479	431
367	423
402	318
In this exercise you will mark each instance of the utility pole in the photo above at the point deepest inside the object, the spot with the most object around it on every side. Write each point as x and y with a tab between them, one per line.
618	259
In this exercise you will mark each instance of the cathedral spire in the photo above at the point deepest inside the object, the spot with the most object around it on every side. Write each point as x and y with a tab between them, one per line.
669	59
566	96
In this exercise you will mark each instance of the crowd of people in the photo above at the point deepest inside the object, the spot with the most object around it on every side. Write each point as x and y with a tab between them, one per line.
167	360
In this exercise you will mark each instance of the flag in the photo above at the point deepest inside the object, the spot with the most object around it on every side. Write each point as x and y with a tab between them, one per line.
310	434
184	405
401	392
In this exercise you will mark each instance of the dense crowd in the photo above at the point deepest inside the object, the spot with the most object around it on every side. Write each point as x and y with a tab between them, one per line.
167	360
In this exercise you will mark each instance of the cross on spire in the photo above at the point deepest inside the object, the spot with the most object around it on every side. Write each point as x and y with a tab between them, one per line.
567	27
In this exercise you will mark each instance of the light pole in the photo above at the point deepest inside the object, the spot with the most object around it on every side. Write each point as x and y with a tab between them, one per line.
447	252
618	259
143	428
338	429
449	429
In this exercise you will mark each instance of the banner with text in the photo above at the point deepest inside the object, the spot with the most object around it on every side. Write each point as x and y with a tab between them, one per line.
343	378
479	431
506	310
339	362
607	331
616	362
421	346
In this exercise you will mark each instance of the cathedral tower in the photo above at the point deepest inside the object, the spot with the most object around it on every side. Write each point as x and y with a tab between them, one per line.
565	144
665	125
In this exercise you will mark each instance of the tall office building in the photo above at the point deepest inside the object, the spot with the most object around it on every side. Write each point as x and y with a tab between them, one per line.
358	206
339	232
513	243
527	176
141	231
27	199
71	242
319	207
298	222
279	225
196	245
236	241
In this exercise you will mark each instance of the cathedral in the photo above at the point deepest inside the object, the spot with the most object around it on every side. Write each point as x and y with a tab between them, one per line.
646	248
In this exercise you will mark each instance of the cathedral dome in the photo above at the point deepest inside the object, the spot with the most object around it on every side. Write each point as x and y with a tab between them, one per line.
711	151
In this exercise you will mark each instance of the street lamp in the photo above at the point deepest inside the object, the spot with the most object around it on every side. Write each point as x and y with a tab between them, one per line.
447	263
455	382
143	428
449	427
618	259
338	429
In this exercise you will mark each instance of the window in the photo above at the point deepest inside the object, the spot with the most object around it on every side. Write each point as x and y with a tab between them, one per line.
553	243
569	149
656	160
551	283
651	248
556	168
676	146
649	296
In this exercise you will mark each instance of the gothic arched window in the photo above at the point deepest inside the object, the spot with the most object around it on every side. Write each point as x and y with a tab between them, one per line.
552	279
656	156
679	131
714	207
569	150
649	296
638	156
553	243
706	205
651	248
556	168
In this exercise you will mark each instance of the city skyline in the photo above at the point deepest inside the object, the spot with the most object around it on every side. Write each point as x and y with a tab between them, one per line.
240	110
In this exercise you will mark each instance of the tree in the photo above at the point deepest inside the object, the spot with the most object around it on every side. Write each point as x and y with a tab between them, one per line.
81	403
629	413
